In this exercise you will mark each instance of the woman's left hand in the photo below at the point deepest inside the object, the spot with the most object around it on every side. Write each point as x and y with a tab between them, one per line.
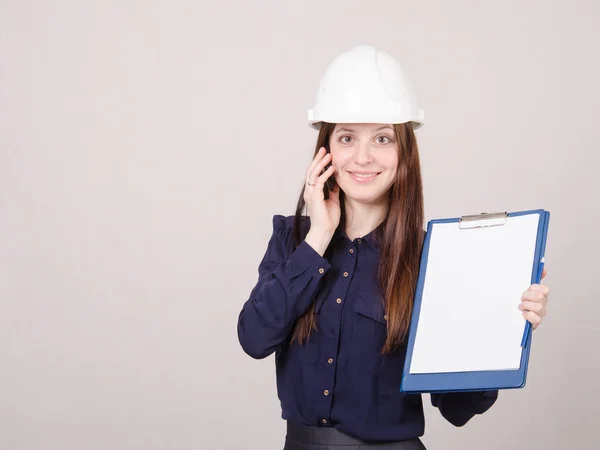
534	301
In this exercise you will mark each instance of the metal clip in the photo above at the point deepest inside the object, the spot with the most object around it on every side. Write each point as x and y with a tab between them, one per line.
483	220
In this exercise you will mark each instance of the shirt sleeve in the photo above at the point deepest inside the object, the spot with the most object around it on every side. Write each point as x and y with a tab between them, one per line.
287	280
459	407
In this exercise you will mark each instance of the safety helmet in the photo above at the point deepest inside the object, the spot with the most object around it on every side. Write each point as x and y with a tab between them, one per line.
365	85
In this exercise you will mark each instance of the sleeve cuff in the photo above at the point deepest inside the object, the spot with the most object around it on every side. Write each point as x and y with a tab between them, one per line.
307	257
490	394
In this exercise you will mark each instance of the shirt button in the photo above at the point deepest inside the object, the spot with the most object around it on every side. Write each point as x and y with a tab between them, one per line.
359	240
324	420
330	360
321	270
351	250
325	392
339	300
345	274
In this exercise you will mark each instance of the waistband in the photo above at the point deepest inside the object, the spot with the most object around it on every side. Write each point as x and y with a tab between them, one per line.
330	436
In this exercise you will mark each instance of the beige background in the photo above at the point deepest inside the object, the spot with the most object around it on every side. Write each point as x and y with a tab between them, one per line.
145	146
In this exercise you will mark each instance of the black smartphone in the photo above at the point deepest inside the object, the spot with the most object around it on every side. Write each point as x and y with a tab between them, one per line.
330	183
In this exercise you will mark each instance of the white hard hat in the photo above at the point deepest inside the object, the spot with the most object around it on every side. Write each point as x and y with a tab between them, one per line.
365	85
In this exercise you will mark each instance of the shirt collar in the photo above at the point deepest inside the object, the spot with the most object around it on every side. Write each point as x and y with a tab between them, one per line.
373	239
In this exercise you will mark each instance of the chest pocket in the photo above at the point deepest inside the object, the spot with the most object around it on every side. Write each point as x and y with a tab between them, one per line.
368	335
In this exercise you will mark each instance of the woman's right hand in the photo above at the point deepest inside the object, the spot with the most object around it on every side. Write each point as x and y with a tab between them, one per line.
324	214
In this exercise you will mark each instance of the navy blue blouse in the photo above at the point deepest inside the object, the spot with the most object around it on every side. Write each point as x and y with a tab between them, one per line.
338	378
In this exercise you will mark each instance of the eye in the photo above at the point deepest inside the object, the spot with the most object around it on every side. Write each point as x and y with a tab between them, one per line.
383	140
345	139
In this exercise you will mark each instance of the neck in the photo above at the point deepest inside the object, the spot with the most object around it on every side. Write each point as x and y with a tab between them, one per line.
363	218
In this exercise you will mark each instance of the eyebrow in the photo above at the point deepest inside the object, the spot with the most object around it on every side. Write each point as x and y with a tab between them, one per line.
350	130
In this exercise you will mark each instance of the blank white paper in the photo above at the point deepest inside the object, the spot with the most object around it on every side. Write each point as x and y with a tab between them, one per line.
469	318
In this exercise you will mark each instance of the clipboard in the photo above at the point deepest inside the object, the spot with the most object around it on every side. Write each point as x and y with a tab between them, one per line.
467	333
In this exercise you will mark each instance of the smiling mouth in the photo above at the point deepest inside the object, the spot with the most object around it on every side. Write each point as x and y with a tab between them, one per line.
363	177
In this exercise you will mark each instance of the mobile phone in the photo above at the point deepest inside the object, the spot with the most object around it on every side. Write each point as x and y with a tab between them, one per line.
330	183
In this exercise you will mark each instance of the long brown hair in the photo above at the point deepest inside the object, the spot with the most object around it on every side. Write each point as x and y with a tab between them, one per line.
400	241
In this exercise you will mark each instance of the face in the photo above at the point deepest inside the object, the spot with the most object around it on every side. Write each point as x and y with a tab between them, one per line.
365	157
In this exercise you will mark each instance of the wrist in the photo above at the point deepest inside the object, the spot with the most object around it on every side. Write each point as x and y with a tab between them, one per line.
318	240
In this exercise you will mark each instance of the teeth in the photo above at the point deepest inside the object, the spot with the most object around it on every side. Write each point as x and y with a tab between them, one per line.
364	175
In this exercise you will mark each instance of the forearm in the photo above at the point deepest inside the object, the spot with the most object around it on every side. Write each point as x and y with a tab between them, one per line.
278	300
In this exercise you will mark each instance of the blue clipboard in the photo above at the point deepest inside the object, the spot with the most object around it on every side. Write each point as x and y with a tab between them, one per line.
465	381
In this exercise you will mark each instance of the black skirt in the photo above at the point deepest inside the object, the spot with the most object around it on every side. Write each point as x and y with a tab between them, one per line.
302	437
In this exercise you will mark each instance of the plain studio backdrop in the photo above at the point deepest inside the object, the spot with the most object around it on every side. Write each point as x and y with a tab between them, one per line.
146	145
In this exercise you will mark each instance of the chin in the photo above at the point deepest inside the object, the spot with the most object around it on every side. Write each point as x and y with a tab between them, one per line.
366	198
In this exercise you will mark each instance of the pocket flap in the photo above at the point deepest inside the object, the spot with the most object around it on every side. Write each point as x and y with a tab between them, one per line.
370	307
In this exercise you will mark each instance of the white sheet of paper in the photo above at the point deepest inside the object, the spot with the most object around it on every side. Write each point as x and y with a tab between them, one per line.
469	318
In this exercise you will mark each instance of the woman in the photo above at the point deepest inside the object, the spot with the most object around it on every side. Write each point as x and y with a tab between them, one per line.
335	289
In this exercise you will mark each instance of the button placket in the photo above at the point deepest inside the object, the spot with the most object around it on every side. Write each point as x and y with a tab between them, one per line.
338	292
339	301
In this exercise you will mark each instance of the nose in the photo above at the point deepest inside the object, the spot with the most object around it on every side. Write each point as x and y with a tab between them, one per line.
362	154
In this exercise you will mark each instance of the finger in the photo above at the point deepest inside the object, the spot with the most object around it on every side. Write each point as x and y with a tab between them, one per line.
320	181
315	161
544	273
322	178
533	318
314	164
533	296
534	307
540	288
318	168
